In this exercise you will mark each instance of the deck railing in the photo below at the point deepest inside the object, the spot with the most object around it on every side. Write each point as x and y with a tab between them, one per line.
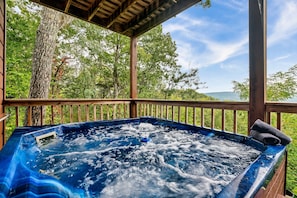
225	116
55	111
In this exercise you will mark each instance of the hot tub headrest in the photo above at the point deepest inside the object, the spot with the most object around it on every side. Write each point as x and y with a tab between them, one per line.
262	127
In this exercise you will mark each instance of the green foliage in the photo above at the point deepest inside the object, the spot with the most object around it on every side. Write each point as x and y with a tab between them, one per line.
100	62
21	28
159	74
153	48
205	3
280	86
242	88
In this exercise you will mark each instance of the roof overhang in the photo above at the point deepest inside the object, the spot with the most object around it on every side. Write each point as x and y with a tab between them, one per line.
128	17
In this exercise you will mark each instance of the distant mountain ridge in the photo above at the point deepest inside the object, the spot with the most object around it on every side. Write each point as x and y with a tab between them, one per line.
224	96
232	96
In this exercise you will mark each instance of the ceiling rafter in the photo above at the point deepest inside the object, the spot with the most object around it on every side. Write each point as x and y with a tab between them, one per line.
152	11
177	7
94	9
122	9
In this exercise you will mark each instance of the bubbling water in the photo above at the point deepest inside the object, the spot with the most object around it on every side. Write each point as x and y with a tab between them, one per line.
114	161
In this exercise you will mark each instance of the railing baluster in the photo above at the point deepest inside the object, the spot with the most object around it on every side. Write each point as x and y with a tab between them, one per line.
125	111
178	113
87	112
52	114
202	117
139	109
223	119
248	126
101	112
29	116
212	118
95	112
194	116
114	115
41	115
279	120
78	113
107	106
142	113
71	113
144	109
62	113
268	117
118	111
234	121
172	113
17	116
186	114
167	111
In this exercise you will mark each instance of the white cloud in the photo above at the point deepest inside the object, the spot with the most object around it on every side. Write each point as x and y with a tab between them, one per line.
237	5
215	52
285	25
199	43
281	57
229	66
173	27
184	23
221	51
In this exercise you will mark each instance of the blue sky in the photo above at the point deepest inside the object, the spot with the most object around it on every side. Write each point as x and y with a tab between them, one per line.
215	40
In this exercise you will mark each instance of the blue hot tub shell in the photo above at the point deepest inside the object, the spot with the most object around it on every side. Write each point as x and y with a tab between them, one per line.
16	180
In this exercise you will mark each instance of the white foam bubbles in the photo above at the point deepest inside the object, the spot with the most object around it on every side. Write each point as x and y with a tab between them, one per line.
112	161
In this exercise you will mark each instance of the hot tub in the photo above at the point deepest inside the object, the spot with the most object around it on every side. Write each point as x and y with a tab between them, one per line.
142	157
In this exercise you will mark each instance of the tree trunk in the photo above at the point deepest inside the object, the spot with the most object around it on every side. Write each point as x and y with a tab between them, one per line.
45	44
115	75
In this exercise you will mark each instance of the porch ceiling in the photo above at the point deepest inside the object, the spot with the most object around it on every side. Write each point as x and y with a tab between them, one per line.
127	17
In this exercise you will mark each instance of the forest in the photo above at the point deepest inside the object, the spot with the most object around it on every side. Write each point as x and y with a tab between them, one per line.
86	61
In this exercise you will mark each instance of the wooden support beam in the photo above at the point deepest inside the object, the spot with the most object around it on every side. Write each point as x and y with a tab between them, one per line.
67	5
257	59
3	116
133	76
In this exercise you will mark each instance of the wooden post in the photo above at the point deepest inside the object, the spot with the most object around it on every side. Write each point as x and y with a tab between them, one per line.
133	76
257	54
2	68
